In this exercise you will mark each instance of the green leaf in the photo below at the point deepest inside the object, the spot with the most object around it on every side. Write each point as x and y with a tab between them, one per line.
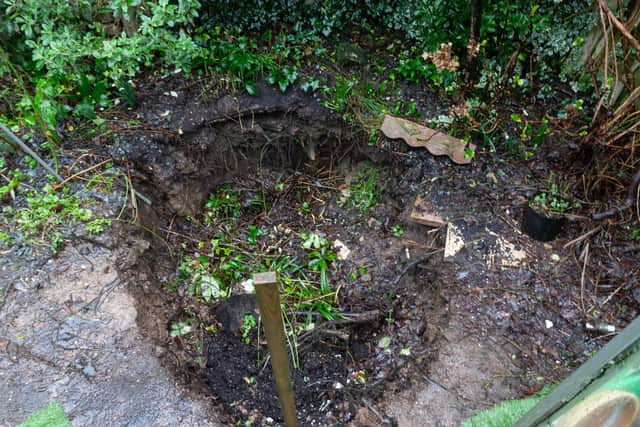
384	342
179	329
251	87
210	288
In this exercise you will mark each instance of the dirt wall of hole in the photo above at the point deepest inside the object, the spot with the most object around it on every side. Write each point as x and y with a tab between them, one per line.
206	143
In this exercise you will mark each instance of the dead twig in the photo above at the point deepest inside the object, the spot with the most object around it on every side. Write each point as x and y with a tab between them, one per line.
14	140
82	172
630	201
585	254
614	293
583	237
383	419
414	263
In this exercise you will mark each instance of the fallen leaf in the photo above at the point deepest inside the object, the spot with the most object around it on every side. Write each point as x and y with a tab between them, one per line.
443	58
437	143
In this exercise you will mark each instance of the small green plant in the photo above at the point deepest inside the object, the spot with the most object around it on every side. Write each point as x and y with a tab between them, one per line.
311	84
397	230
55	240
390	319
5	239
8	191
550	202
97	226
253	234
214	267
180	328
553	201
202	280
364	189
320	257
282	77
248	323
46	210
414	68
223	205
531	136
30	161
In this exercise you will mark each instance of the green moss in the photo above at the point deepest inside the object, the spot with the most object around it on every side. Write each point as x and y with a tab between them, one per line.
52	415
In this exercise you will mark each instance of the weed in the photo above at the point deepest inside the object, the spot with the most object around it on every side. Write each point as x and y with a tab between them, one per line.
320	257
210	272
223	205
46	210
364	189
390	319
554	200
14	179
248	323
397	230
530	135
356	100
254	232
550	202
97	226
201	280
180	328
282	77
30	161
416	69
311	84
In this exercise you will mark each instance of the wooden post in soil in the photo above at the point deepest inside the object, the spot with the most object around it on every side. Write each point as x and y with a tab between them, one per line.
269	303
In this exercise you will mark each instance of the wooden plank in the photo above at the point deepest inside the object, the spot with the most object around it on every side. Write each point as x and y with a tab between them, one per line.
423	214
269	303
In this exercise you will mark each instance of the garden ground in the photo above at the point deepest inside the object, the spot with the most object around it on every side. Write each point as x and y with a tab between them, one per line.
422	338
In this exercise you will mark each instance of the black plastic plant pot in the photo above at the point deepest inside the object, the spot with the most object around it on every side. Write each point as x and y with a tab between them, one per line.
541	227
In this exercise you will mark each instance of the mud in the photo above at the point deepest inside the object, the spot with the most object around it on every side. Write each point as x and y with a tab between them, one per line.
69	334
465	332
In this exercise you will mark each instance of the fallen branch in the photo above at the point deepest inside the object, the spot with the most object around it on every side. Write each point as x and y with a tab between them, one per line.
15	141
628	203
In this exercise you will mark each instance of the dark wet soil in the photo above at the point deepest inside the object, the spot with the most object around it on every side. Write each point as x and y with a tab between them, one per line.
289	138
532	310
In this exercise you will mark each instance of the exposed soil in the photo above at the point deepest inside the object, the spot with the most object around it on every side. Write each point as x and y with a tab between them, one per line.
499	319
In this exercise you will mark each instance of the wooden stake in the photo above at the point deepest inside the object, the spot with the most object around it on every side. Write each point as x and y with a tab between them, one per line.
269	302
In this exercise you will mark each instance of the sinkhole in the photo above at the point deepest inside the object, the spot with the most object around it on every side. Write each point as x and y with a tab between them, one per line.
246	186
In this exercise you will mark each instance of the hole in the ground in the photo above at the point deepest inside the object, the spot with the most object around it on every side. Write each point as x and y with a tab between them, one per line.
283	193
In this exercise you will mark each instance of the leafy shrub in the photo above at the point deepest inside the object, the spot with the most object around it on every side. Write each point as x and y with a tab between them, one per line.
77	54
76	50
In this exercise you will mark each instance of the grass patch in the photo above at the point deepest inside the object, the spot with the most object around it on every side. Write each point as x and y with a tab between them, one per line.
52	415
364	190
